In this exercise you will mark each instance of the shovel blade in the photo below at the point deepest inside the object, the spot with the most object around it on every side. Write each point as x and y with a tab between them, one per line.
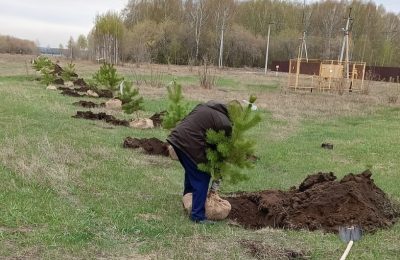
352	233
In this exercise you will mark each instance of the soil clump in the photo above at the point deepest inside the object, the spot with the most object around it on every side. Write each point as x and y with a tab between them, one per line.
152	145
88	104
57	70
320	203
157	118
71	92
104	93
80	82
100	116
59	81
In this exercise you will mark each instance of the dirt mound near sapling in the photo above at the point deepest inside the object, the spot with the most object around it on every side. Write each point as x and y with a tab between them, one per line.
104	93
70	92
321	202
152	145
82	89
57	69
100	116
157	118
88	104
80	82
59	81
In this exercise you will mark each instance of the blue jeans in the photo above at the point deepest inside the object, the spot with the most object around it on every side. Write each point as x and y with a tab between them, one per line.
196	182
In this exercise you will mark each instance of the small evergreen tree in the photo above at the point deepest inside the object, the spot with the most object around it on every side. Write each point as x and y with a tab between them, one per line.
48	76
227	155
128	96
41	63
107	76
69	73
177	109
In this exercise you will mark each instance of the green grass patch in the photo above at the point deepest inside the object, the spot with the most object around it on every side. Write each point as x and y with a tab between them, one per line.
69	190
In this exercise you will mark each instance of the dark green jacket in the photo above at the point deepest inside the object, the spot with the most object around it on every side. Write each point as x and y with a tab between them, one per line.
189	135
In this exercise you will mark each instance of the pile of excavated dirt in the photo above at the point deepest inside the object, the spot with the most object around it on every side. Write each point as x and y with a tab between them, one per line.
100	116
320	202
152	145
82	89
70	92
88	104
104	93
157	118
80	82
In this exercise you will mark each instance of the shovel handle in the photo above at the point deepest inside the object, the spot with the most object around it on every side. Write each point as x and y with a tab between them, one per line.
346	252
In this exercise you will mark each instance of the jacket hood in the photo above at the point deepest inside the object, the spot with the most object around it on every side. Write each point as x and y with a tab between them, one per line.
218	106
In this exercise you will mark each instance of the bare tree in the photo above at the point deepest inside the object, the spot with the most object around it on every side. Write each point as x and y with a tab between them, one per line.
224	11
198	17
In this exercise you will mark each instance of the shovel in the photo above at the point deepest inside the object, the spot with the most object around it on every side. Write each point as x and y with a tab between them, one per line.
349	235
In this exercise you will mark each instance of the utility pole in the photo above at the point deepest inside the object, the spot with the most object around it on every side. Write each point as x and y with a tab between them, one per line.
302	46
266	53
346	43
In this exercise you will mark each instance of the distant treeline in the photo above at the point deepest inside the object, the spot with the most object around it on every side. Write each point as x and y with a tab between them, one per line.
186	31
9	44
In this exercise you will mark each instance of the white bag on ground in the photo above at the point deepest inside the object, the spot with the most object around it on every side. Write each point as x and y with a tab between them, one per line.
142	123
114	103
216	208
172	153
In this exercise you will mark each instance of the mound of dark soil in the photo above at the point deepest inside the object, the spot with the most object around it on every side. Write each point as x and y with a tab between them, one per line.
88	104
82	89
59	81
105	93
321	202
150	145
70	92
80	82
100	116
157	118
57	69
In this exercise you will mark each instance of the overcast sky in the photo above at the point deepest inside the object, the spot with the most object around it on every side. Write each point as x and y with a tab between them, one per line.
51	22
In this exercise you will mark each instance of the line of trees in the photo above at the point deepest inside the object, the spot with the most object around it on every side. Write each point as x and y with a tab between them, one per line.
233	33
9	44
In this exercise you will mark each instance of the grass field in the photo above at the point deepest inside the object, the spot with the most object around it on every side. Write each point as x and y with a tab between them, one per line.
69	190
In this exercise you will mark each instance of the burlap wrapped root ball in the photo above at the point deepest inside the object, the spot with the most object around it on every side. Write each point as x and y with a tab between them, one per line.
216	208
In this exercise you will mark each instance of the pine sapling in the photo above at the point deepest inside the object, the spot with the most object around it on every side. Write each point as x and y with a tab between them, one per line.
228	155
48	76
69	72
42	62
107	76
177	109
131	102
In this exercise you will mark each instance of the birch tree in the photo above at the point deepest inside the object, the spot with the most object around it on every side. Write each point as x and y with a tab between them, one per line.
224	11
197	16
108	32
